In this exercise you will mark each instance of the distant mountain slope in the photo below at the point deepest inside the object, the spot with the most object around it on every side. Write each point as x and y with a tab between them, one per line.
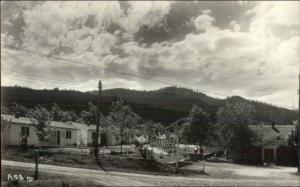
167	98
165	105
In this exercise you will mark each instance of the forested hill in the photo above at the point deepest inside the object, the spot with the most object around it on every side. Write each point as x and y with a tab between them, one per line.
165	105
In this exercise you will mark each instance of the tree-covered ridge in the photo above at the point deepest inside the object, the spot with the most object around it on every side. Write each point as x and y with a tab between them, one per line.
229	128
165	105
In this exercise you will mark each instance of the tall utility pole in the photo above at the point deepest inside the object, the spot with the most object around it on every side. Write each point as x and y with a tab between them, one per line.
97	127
299	127
177	148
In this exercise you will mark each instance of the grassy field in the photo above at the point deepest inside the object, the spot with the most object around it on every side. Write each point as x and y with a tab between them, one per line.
45	179
126	162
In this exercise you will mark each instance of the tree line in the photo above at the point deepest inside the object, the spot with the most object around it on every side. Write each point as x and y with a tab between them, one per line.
229	128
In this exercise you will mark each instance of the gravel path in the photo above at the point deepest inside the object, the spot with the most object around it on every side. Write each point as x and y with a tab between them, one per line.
238	171
131	179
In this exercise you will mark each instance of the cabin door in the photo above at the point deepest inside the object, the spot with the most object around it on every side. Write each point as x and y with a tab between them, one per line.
103	139
269	155
57	137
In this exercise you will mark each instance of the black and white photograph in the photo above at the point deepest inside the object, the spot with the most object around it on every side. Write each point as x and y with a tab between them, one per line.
150	93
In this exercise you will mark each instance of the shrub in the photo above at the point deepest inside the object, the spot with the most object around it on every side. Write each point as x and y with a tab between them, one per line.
24	143
143	152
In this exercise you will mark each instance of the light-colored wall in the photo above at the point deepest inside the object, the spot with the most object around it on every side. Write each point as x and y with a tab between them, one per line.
83	137
13	136
111	140
15	132
5	135
80	137
68	142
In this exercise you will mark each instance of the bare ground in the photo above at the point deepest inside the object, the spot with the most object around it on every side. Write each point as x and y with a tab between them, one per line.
219	174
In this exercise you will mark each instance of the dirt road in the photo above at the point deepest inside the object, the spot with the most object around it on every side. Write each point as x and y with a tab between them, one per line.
131	179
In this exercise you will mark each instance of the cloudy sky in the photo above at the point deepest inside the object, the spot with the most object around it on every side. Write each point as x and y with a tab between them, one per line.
227	48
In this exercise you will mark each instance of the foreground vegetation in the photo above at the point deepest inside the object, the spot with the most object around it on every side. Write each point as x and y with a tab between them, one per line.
132	162
45	179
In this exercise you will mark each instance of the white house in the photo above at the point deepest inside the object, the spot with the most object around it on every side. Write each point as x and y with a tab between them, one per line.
63	133
88	133
13	129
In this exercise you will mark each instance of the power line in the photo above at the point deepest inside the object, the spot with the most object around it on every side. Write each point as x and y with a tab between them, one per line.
92	65
210	67
50	83
46	79
149	78
145	77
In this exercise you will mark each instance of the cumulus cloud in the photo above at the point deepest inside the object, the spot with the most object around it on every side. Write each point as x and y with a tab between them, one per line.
103	42
220	53
204	21
235	26
259	62
269	15
145	13
68	23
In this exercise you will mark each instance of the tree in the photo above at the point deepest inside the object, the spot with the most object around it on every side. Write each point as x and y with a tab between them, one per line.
56	112
41	119
19	110
89	117
233	126
5	110
123	117
179	127
194	129
151	129
60	115
69	116
200	125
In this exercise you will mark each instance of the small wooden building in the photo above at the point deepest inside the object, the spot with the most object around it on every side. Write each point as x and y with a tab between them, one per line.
271	146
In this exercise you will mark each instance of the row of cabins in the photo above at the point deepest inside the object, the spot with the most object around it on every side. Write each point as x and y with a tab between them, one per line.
13	129
271	144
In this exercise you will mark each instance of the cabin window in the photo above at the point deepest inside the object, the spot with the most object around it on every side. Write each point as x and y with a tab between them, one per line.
25	131
68	134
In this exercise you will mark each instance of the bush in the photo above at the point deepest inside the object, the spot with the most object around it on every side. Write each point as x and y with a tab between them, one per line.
137	144
115	153
24	143
143	152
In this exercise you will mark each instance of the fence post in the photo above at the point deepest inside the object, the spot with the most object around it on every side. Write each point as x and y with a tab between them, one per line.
147	152
177	145
36	156
203	160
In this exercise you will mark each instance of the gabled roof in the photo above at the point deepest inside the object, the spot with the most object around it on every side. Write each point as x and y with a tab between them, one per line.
83	126
27	121
20	120
270	133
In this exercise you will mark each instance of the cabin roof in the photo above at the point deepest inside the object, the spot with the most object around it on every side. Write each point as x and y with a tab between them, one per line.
269	133
27	121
